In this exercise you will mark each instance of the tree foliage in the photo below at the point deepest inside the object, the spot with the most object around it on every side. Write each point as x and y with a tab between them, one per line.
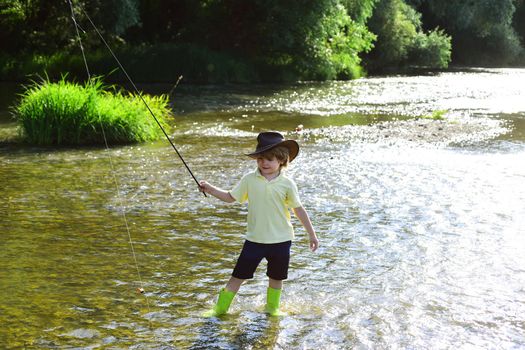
267	39
42	26
482	31
518	21
401	40
360	10
293	39
310	39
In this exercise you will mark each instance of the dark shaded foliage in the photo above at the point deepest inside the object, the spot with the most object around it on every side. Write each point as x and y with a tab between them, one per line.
482	31
401	41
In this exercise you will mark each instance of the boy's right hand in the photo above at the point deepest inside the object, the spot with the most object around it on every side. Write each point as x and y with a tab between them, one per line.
204	186
216	192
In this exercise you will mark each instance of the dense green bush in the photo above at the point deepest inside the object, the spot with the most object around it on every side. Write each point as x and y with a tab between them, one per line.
432	50
401	41
65	113
482	31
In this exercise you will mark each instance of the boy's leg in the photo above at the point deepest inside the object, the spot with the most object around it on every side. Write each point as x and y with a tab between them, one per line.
273	301
226	296
278	257
273	297
247	262
275	284
278	262
250	257
223	304
234	284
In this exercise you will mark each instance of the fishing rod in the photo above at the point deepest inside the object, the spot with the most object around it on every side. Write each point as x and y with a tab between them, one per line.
142	98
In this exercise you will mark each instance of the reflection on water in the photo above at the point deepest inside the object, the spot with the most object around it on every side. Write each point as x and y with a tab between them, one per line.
421	242
486	91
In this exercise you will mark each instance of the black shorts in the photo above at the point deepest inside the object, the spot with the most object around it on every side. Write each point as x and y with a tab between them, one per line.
277	255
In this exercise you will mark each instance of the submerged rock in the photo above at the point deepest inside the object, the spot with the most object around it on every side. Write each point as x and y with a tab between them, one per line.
84	333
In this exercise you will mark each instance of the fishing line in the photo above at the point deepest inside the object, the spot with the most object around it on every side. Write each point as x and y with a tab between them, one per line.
119	197
142	98
79	40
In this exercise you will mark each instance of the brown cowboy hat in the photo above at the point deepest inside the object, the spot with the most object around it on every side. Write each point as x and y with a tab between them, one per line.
270	139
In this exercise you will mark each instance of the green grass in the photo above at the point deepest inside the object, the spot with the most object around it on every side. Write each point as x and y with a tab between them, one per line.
436	115
67	113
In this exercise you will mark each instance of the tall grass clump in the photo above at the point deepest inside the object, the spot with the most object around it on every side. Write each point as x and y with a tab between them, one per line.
67	113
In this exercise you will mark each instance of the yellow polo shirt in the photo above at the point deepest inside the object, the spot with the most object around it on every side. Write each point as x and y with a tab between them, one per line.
269	204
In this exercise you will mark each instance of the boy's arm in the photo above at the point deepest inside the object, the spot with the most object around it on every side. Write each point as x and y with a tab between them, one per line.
302	215
223	195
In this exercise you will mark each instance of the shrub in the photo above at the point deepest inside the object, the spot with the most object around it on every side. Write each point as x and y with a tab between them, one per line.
401	40
65	113
436	115
432	50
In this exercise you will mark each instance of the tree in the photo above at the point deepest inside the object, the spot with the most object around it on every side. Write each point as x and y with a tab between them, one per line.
518	23
310	39
481	30
401	41
360	10
43	27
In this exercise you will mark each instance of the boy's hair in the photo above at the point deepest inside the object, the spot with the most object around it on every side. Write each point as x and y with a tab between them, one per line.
281	153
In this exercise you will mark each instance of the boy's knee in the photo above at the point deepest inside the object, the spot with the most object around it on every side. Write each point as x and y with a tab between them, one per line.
275	284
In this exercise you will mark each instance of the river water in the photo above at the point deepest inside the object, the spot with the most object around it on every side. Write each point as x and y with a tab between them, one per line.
421	222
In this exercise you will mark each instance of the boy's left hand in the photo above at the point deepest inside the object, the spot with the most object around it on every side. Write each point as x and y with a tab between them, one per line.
314	243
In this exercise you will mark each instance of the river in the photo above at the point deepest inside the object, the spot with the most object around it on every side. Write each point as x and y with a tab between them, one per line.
421	222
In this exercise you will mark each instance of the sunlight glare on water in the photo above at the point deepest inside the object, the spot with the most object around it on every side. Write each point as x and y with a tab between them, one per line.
404	95
429	247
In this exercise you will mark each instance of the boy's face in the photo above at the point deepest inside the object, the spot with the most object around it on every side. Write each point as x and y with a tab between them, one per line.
268	166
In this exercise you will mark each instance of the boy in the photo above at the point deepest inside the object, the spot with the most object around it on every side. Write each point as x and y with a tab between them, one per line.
269	234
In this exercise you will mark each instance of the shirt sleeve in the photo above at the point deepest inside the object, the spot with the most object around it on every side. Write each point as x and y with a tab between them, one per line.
240	191
292	197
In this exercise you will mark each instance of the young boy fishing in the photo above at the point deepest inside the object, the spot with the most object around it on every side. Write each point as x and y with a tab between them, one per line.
270	195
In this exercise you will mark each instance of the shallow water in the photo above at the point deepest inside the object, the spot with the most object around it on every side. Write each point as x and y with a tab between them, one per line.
422	237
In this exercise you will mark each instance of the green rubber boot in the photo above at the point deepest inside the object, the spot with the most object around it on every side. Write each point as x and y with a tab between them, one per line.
273	300
223	304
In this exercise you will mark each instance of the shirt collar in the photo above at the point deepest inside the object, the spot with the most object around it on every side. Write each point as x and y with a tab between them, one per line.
277	178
